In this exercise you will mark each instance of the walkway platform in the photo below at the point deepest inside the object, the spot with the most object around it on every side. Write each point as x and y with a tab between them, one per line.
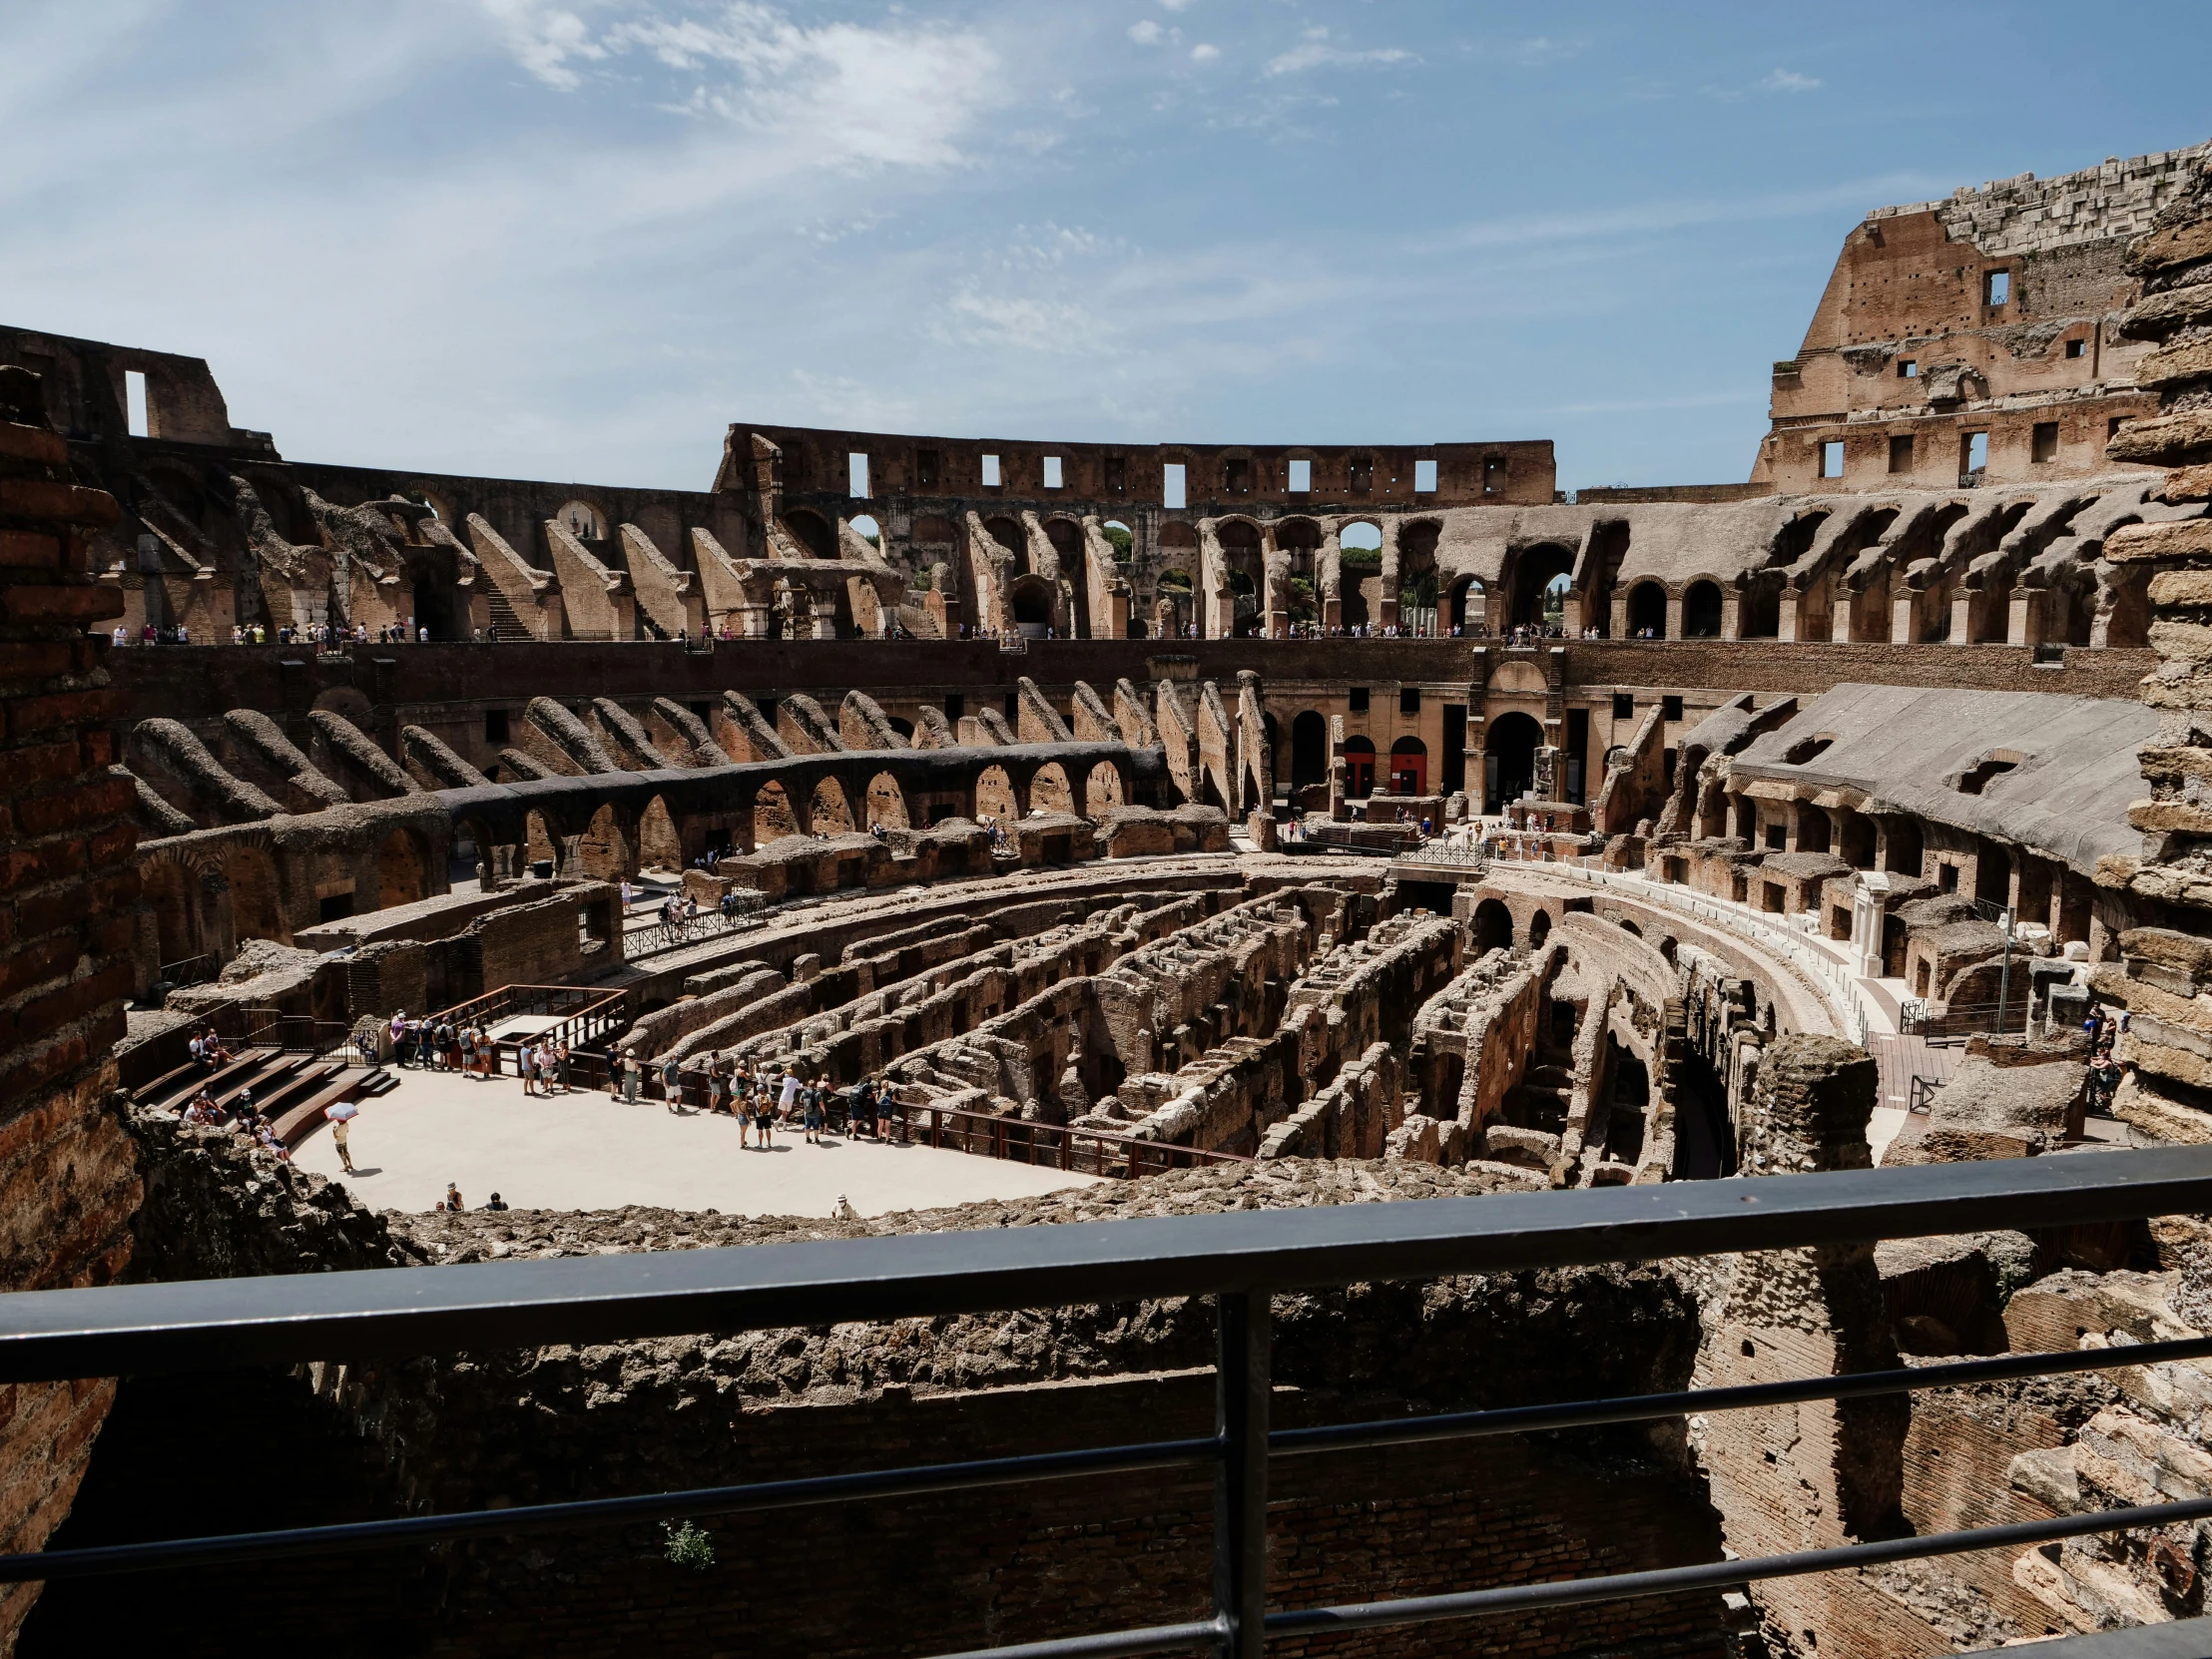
591	1151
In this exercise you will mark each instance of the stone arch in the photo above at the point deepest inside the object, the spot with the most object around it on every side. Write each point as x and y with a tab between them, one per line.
402	868
1030	601
1308	748
1359	767
257	892
659	842
887	803
1647	609
1532	576
1409	766
170	888
607	850
1467	603
995	797
1510	743
541	841
1103	789
1701	610
472	845
812	531
1301	539
1066	537
1539	929
582	520
1049	788
772	815
1493	926
1009	534
829	811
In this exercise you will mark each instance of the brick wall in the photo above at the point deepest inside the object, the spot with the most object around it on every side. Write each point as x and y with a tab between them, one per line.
68	1175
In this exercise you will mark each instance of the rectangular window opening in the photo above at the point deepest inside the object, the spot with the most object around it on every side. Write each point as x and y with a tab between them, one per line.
1424	478
1907	369
956	705
1052	472
1670	708
1997	287
134	396
1624	706
495	726
1302	477
1171	484
991	473
1973	455
2043	442
2077	349
1010	705
1832	458
1901	454
1408	700
1778	837
856	467
1356	700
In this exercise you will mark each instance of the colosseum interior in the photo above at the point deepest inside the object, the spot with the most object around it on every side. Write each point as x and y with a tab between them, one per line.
1162	831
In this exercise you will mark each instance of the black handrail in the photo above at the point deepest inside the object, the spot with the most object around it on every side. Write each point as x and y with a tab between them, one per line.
1239	1257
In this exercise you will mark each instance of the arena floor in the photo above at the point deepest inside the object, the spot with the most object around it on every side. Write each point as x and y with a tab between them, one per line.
589	1151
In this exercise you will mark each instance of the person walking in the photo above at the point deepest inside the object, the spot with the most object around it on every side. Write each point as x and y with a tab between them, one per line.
631	1074
342	1116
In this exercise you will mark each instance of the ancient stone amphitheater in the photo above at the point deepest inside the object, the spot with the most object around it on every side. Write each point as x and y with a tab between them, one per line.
1188	832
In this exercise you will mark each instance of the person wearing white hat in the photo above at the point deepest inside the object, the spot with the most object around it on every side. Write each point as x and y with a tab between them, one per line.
342	1116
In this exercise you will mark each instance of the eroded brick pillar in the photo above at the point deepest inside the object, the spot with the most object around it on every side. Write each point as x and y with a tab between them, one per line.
68	1175
1824	1472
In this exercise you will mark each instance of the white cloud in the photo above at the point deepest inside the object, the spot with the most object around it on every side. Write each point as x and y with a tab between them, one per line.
1145	31
1789	80
1173	5
1317	50
1203	53
900	93
544	38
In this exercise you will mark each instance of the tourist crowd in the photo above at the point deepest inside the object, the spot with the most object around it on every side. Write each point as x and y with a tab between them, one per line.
762	1101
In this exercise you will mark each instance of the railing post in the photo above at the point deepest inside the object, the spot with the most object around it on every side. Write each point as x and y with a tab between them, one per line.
1246	1328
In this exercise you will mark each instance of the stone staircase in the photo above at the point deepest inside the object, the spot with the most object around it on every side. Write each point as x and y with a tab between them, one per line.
505	625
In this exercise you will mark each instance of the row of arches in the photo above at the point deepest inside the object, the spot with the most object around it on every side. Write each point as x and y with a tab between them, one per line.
619	840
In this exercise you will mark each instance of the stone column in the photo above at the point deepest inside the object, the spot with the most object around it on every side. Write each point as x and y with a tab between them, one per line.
1826	1473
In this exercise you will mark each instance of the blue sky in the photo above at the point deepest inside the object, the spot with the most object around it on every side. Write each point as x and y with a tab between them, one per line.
569	239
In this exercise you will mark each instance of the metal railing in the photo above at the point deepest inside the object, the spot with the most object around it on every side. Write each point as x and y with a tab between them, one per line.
1240	1260
193	970
657	937
291	1033
579	1014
